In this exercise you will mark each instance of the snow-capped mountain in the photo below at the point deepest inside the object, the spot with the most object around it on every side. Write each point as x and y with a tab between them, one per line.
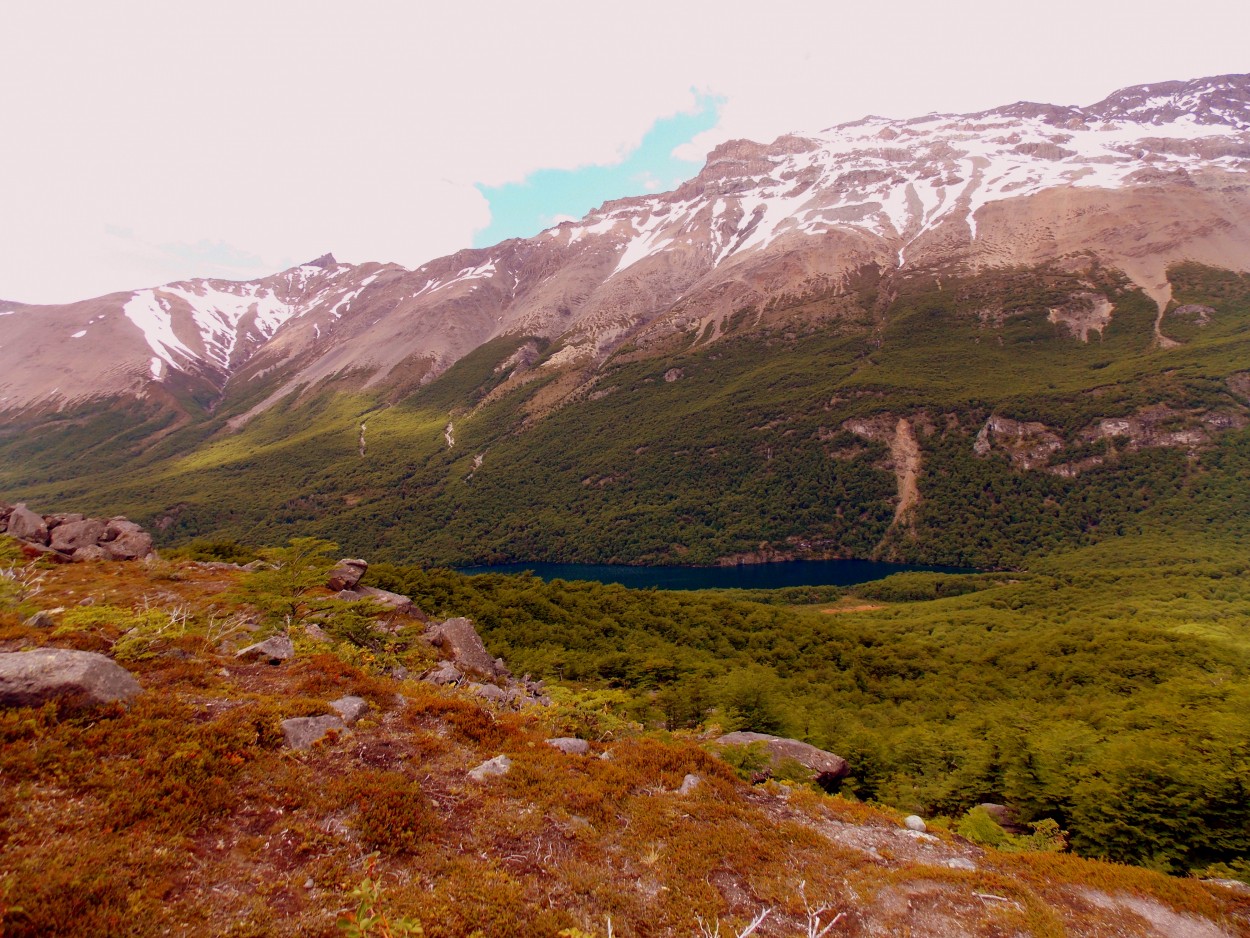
1149	176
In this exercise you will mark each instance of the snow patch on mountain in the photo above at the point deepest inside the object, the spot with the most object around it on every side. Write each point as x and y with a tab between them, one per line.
155	322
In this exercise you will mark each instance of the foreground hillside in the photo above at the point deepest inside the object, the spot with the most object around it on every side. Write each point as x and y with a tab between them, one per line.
186	813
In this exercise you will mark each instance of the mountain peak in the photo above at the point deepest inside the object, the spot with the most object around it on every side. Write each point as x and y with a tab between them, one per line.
325	262
1221	99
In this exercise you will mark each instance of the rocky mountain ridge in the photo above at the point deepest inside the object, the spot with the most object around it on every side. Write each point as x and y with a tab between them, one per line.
1148	176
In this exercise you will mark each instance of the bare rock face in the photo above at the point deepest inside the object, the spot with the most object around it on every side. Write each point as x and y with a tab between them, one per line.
25	525
459	640
79	679
347	574
826	767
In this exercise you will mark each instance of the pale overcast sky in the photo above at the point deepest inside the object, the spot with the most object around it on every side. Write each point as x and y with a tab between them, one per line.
146	142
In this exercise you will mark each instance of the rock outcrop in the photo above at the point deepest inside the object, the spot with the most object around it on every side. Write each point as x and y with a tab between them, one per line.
458	639
826	768
75	537
76	679
347	574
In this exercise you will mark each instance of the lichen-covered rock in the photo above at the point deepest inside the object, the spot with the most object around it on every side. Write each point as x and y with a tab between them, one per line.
570	745
351	709
826	767
25	525
347	574
689	784
78	679
458	639
275	649
914	822
303	732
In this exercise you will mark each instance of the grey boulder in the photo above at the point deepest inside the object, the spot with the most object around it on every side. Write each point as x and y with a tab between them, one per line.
445	673
825	767
491	768
75	535
275	649
570	745
347	574
303	732
76	678
125	540
458	639
351	709
25	525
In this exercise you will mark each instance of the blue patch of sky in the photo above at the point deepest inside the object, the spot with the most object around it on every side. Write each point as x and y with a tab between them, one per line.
522	209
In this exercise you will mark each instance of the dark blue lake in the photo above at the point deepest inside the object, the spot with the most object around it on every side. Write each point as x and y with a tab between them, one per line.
756	576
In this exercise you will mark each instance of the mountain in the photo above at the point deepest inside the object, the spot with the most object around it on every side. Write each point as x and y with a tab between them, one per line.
1149	176
814	347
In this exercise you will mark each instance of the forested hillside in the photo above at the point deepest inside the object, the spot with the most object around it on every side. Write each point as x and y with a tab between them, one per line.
781	439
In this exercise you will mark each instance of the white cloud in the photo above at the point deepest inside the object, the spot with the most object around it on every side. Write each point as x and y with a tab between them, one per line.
274	132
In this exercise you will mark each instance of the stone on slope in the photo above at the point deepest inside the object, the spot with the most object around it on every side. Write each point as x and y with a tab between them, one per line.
491	768
914	822
351	709
25	525
303	732
394	602
825	766
71	536
445	673
490	692
570	745
275	649
347	574
76	678
125	540
459	640
91	552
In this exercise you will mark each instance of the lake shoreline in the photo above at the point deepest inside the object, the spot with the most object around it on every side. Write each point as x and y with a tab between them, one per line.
779	574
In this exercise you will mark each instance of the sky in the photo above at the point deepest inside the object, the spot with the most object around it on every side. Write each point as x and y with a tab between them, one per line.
145	142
